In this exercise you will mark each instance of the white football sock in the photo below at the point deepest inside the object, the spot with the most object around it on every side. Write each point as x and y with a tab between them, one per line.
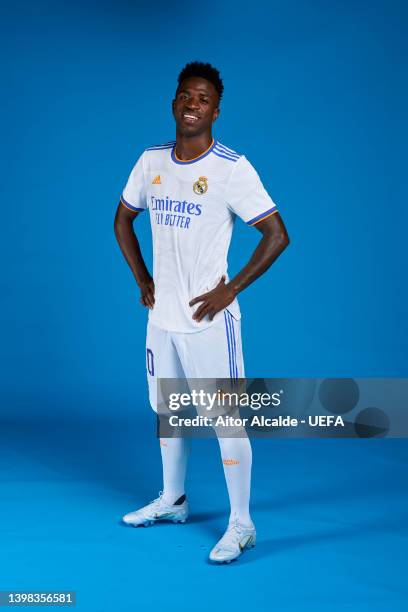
174	452
236	454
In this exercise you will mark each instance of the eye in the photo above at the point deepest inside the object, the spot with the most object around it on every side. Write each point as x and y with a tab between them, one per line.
204	100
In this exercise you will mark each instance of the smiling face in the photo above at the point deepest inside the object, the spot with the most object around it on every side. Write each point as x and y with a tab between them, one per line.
195	107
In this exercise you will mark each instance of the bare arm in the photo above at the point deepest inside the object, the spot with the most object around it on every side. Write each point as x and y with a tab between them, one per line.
130	248
274	240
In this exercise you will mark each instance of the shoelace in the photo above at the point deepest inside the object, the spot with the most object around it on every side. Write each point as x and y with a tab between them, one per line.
156	501
157	498
228	540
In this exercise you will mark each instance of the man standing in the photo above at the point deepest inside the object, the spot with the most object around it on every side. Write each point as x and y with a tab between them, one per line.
194	188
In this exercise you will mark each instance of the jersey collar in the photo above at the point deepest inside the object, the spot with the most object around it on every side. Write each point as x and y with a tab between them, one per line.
194	159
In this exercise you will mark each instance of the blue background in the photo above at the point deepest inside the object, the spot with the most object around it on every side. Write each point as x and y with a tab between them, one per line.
315	97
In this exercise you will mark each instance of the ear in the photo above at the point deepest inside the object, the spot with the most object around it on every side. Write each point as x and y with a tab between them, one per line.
173	104
216	113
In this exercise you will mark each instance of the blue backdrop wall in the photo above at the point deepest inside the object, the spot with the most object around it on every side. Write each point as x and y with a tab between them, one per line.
314	97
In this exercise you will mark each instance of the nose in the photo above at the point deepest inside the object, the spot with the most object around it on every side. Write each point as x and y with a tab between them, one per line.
192	103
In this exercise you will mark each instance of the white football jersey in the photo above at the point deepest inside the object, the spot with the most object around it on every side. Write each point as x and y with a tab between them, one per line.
193	205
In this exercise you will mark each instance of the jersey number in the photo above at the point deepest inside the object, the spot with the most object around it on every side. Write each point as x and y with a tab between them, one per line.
150	362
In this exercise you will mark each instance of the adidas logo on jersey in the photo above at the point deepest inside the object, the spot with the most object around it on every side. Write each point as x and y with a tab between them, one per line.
157	180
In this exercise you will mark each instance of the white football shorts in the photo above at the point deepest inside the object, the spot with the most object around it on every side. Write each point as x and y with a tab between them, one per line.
214	352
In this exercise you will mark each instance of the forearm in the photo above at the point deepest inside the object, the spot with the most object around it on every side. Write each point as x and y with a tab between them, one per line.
267	251
274	240
130	248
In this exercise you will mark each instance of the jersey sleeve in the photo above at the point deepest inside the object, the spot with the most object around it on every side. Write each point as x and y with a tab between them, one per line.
134	193
246	196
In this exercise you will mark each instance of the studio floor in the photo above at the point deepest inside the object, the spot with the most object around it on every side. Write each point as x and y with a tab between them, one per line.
331	517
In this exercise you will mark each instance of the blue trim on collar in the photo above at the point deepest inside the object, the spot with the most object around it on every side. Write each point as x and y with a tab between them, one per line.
191	161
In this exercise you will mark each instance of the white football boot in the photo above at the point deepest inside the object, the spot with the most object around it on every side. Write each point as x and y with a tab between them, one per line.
234	541
157	510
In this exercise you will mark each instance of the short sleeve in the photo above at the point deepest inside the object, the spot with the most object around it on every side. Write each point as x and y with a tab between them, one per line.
134	193
246	196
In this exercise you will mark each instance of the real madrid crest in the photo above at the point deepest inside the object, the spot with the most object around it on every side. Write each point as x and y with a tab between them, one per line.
200	186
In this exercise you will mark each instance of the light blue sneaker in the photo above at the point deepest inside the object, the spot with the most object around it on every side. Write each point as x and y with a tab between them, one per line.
157	510
234	541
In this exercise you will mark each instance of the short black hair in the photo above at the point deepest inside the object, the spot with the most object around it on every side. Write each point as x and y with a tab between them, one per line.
204	71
